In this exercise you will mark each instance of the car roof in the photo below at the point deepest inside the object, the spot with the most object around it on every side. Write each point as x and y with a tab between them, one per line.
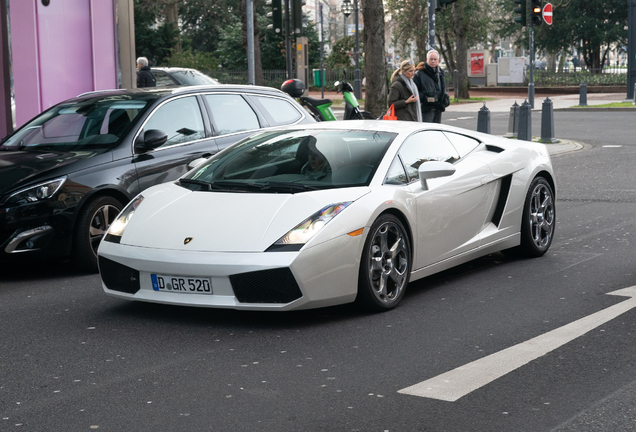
170	90
397	126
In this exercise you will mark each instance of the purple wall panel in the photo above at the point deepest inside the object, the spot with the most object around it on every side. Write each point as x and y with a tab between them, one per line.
104	43
60	51
26	76
66	66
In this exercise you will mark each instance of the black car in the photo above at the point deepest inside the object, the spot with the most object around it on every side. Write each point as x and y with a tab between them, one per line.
66	174
169	76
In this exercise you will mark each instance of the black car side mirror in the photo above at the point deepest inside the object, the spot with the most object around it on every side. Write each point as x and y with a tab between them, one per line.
150	140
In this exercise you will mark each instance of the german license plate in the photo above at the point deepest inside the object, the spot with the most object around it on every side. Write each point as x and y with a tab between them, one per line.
180	284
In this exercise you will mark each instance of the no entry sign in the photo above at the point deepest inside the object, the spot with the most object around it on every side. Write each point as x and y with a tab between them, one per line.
547	13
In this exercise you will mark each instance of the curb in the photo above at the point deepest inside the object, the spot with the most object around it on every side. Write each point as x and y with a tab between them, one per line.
592	109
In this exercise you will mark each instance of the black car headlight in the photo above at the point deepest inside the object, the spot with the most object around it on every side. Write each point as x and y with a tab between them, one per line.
35	193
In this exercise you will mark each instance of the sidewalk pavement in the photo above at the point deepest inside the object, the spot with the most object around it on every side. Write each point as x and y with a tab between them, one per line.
559	102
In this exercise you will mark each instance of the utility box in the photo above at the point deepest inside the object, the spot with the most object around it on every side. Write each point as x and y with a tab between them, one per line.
491	74
302	61
510	70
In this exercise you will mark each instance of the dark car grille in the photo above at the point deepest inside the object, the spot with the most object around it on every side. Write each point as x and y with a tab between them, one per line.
266	286
118	277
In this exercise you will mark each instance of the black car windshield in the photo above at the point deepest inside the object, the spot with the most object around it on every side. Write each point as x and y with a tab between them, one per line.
192	77
293	161
94	124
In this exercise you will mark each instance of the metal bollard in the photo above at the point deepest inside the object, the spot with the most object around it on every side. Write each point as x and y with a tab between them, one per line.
547	122
583	95
483	120
634	103
525	122
513	121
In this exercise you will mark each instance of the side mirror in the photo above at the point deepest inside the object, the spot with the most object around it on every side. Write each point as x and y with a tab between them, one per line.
195	163
150	140
434	169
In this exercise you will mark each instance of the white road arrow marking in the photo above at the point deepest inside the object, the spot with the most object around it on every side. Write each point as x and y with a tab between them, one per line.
459	382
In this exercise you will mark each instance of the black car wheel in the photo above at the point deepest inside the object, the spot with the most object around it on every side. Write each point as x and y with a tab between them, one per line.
91	227
539	216
386	265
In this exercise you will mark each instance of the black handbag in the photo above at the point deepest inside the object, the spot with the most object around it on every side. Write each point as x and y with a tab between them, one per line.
445	100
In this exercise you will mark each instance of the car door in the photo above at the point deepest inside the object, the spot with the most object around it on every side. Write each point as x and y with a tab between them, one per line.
452	211
232	118
182	119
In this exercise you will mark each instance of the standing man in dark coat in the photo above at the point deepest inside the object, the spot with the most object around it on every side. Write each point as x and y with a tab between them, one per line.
145	78
432	88
403	93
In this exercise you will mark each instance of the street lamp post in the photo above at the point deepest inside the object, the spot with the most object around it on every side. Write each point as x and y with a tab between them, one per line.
357	84
346	8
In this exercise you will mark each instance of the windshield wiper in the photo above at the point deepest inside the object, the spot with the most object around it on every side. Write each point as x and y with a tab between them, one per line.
207	186
264	186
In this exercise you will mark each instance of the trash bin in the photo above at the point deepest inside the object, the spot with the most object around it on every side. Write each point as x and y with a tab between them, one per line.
317	80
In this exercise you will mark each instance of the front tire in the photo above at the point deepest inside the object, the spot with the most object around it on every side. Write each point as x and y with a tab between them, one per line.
92	224
386	265
538	220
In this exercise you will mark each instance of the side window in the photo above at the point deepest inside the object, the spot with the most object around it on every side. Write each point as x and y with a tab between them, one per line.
180	118
163	79
462	143
423	147
231	113
396	174
278	111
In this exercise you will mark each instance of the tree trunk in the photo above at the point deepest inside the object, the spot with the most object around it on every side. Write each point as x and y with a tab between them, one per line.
552	62
374	61
258	66
462	51
420	35
171	9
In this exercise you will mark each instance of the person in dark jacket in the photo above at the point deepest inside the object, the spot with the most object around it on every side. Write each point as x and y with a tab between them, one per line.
145	78
403	93
430	83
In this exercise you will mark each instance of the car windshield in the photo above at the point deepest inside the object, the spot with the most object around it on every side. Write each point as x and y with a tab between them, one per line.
293	161
192	77
96	124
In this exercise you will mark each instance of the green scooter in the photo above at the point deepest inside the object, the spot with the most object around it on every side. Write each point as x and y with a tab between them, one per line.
320	109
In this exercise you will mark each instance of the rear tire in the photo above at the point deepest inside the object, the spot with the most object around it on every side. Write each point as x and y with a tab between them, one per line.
91	226
385	267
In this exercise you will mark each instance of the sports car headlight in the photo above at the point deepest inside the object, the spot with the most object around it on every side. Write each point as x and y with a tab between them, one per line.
35	193
310	226
116	229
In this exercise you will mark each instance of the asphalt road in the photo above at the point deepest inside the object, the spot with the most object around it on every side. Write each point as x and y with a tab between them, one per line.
73	359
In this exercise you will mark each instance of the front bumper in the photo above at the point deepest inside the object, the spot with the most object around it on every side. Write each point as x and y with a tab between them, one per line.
319	276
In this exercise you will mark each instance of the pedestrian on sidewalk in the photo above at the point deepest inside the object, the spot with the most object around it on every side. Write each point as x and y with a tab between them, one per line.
145	78
431	88
403	93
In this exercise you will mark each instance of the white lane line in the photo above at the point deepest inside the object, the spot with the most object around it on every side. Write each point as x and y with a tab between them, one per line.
459	382
612	146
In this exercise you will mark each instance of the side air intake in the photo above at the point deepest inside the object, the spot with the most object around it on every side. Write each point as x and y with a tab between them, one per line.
503	198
